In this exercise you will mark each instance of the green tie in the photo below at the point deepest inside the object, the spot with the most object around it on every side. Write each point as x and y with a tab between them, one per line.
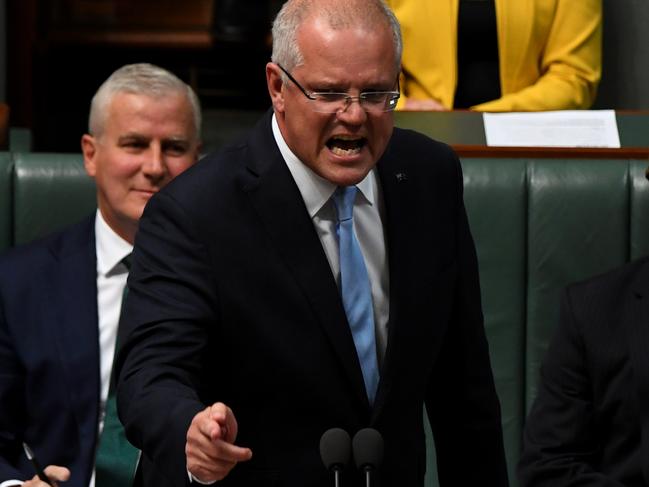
116	458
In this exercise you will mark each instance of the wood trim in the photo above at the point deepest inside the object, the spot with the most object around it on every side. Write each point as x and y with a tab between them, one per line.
181	39
552	152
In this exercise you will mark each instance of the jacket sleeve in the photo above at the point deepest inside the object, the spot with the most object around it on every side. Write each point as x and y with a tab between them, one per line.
11	405
560	442
163	332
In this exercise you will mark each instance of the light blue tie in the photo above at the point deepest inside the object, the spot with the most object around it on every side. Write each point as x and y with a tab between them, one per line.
355	289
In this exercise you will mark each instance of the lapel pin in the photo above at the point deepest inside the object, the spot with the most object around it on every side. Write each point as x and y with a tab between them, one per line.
401	176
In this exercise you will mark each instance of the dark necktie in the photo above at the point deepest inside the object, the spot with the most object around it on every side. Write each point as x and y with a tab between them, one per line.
355	289
116	458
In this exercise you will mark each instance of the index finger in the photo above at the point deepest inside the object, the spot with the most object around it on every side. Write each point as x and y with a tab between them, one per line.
227	421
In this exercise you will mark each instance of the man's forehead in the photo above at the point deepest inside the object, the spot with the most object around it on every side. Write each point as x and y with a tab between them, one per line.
145	136
327	29
346	48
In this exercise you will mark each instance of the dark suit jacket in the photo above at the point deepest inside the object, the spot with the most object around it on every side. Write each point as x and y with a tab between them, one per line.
590	422
49	354
232	299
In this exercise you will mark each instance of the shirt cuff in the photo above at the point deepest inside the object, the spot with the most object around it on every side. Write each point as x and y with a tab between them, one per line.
191	479
11	483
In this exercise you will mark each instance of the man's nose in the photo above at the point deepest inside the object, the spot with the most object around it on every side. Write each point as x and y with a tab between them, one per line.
353	112
155	166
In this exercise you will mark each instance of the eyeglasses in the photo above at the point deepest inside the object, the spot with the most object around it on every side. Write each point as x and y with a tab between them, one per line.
328	102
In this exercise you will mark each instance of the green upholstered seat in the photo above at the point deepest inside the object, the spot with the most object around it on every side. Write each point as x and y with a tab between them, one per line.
50	192
538	224
639	210
496	201
6	172
578	227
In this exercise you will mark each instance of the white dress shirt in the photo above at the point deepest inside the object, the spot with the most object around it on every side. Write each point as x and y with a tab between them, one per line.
369	215
111	280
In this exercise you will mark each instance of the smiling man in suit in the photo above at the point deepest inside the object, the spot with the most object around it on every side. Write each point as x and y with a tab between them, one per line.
60	297
319	274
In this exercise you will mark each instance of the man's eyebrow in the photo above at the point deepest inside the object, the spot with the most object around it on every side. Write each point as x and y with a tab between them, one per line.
130	136
178	138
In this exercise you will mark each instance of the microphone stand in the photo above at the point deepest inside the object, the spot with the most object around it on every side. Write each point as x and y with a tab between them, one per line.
368	474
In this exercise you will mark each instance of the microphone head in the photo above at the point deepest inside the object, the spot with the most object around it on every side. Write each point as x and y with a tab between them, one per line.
368	448
335	448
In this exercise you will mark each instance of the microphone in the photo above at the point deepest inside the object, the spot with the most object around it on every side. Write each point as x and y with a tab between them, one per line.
335	451
368	451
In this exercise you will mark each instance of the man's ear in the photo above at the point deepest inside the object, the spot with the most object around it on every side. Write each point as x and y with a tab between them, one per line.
275	84
89	150
197	152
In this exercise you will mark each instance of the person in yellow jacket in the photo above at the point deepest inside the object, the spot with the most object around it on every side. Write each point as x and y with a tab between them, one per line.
549	54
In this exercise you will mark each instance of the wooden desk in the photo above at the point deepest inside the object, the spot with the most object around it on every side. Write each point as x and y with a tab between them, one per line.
464	131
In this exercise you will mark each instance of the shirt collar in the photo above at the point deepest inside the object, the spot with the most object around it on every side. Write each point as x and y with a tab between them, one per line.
315	190
110	247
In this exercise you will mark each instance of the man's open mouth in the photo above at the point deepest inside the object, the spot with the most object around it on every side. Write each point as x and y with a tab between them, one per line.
343	145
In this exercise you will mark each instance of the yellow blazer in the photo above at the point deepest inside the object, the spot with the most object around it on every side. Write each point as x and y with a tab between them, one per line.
549	52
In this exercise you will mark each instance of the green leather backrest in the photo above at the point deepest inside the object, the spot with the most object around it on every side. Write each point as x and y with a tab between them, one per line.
495	195
639	216
496	201
578	227
538	225
50	192
6	204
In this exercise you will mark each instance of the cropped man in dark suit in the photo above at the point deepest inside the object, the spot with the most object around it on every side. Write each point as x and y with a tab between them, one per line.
60	297
242	345
589	424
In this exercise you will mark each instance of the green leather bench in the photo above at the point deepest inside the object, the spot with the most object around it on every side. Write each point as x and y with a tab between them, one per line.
50	191
6	192
41	193
538	224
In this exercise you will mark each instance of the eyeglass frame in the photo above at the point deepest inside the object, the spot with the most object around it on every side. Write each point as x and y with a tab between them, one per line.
347	98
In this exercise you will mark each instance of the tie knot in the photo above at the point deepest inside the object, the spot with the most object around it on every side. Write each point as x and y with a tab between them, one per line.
127	261
343	199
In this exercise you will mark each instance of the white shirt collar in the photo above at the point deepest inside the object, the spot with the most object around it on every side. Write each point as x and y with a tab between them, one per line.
110	247
316	191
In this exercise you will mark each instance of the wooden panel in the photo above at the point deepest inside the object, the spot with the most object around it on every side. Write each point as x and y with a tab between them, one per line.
148	14
145	23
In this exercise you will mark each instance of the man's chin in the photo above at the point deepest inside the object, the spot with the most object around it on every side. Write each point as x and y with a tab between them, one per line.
346	171
348	176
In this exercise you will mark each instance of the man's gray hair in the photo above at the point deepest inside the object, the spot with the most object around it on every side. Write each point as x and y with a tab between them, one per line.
340	14
140	79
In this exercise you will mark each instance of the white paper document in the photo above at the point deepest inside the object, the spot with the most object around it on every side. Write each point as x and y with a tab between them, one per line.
566	128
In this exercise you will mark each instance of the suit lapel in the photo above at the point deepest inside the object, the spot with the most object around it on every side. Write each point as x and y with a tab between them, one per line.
278	202
412	254
638	336
397	198
70	288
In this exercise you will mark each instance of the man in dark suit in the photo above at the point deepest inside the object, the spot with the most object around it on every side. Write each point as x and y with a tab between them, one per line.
242	345
589	424
60	297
